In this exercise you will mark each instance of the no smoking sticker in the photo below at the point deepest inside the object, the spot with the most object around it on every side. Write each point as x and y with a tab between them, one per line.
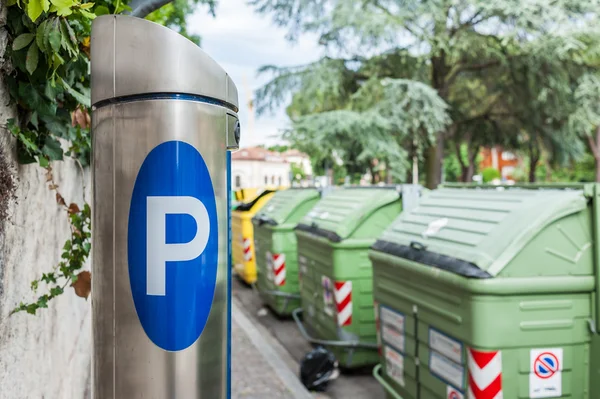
453	393
545	377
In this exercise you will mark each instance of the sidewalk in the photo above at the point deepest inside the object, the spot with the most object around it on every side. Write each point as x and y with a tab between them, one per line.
260	368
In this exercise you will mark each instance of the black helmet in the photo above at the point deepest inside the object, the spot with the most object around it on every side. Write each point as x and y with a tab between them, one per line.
317	369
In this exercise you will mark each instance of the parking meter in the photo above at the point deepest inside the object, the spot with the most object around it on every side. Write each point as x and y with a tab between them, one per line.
164	118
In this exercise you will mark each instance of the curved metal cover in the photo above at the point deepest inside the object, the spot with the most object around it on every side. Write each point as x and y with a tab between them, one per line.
132	56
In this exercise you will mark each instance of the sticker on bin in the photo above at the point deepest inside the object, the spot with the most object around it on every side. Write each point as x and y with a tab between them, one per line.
394	365
247	243
392	328
269	266
545	378
446	369
434	227
327	295
343	302
279	269
485	374
453	393
377	324
445	345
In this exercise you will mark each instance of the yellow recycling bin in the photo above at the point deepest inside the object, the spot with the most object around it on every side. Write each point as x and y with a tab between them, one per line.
242	235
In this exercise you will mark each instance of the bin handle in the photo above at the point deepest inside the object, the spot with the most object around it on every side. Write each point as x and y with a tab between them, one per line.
388	388
418	246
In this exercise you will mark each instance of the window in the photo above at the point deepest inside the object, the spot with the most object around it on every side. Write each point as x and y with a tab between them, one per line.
266	180
508	156
238	181
272	179
280	180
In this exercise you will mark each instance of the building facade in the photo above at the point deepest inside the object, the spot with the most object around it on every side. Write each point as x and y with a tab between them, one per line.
256	167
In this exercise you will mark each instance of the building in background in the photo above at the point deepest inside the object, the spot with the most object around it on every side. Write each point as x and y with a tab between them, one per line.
300	160
504	161
256	167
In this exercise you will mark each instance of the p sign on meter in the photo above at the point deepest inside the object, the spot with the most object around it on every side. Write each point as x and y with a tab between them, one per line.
173	245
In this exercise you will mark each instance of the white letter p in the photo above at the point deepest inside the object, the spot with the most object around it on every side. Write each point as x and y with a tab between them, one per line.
158	252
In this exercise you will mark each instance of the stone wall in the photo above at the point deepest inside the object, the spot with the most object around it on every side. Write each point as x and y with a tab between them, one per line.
47	355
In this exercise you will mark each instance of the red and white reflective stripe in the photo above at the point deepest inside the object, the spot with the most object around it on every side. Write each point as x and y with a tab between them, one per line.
485	374
279	269
343	302
247	249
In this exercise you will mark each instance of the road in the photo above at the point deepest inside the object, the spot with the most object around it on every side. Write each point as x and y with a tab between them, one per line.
358	385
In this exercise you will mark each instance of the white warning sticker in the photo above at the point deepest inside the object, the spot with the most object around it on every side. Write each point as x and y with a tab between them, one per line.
453	393
545	377
445	345
446	369
394	365
392	328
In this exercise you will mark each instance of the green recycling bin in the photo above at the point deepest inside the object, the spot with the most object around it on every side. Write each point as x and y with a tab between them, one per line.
275	247
335	271
490	293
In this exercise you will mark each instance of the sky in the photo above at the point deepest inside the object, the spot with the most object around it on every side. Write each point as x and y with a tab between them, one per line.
242	41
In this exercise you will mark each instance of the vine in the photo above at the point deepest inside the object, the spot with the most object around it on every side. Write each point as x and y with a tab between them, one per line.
50	86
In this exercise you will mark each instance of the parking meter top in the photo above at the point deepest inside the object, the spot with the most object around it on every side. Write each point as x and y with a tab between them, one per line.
163	55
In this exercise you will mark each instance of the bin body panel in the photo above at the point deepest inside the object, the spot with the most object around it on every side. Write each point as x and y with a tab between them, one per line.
336	289
515	318
244	257
276	247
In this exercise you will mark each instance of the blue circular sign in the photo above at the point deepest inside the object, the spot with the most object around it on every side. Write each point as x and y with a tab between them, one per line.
172	243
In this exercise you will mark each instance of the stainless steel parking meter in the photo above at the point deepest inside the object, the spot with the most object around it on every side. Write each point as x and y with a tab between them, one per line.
164	118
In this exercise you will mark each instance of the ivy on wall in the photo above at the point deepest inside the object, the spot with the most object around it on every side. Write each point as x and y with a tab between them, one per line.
50	86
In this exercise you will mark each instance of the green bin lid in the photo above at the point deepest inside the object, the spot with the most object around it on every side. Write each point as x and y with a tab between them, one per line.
343	210
484	228
283	204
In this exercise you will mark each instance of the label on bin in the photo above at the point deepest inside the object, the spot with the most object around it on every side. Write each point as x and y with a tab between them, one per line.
394	365
392	328
446	369
269	266
327	295
545	377
172	245
453	393
445	345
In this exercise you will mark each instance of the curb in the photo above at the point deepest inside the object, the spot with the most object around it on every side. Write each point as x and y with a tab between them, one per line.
271	350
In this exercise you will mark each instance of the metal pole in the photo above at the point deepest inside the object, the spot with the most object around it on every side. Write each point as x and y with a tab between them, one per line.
164	117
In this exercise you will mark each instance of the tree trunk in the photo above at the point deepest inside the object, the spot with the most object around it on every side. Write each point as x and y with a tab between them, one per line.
434	159
593	143
388	174
472	154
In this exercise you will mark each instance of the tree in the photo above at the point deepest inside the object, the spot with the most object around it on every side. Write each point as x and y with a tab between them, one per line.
173	14
449	45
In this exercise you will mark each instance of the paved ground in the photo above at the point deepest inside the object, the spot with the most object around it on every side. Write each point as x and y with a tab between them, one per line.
284	335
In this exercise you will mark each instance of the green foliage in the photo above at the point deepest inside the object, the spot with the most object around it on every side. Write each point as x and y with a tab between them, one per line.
490	174
504	68
174	15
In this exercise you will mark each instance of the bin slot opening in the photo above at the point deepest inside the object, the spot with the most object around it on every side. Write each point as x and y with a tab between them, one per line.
249	205
330	235
422	255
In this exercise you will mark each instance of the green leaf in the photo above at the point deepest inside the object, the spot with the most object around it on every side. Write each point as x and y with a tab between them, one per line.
32	58
43	161
45	5
52	149
22	41
101	10
11	3
34	119
63	7
54	36
34	9
56	291
83	100
39	35
85	6
70	32
87	14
